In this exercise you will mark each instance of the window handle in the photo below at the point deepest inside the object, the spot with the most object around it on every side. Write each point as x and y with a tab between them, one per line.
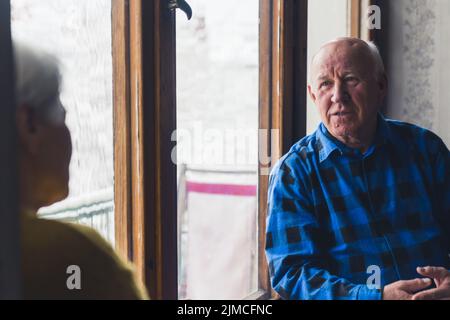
183	5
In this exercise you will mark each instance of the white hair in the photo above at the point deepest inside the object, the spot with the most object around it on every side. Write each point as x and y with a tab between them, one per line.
38	81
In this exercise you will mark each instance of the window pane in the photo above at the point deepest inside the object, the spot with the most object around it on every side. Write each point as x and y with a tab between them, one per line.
78	32
217	126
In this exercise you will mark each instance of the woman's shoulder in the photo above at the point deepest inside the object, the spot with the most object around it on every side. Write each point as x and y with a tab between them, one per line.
57	245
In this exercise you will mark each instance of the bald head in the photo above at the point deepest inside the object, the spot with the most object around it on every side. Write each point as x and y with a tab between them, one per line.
366	51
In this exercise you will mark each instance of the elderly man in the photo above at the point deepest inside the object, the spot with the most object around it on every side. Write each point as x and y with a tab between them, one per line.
51	248
360	209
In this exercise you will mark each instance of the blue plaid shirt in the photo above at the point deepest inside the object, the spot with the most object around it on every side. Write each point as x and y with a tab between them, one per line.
333	212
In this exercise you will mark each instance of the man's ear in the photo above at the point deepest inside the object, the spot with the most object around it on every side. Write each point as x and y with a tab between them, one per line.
27	129
311	93
383	86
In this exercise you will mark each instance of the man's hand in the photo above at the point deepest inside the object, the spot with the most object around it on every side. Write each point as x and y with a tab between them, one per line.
441	277
404	289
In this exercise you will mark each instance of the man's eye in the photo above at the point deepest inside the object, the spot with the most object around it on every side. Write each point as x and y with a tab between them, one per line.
325	84
351	79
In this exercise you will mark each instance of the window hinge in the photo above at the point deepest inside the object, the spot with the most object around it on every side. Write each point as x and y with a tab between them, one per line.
183	5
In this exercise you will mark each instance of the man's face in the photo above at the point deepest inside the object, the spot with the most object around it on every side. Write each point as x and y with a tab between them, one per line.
346	89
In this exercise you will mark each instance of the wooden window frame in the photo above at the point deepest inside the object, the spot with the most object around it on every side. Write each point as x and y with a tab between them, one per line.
357	13
9	189
355	18
282	99
144	97
145	117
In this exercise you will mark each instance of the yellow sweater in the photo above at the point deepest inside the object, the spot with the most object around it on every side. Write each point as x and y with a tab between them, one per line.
50	247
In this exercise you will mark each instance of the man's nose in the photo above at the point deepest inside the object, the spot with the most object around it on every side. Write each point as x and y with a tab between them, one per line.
340	93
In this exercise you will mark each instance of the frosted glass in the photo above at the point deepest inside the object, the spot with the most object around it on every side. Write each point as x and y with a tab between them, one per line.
78	33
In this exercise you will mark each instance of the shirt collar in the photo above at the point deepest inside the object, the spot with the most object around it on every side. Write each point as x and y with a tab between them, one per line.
326	144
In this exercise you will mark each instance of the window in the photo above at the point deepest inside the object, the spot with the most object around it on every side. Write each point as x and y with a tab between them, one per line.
217	149
138	60
79	34
145	88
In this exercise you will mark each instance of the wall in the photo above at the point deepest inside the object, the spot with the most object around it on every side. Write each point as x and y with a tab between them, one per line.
327	20
418	61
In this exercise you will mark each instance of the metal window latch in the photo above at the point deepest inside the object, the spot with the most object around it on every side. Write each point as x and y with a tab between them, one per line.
183	5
